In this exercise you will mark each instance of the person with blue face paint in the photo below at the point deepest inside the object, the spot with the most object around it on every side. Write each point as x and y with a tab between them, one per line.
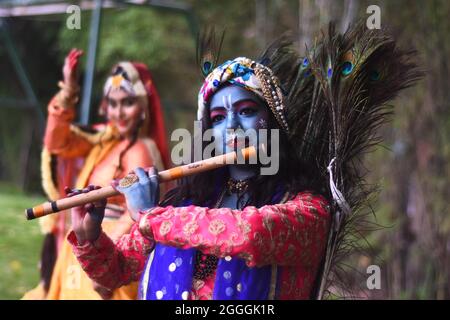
233	111
230	233
234	232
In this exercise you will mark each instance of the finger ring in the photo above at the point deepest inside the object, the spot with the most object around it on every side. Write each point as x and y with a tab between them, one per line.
128	181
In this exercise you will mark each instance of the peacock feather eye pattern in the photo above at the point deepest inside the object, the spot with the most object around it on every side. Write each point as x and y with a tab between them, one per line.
329	72
207	67
374	75
348	63
304	67
347	68
305	62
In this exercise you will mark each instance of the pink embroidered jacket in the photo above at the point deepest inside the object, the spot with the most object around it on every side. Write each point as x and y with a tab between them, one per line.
291	235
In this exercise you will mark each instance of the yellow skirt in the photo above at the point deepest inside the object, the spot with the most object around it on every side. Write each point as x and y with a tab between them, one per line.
70	282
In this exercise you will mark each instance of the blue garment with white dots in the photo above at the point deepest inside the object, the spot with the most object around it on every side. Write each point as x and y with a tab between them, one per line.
169	273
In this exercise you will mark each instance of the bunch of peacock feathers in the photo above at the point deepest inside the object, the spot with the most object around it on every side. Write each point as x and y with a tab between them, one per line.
336	98
355	75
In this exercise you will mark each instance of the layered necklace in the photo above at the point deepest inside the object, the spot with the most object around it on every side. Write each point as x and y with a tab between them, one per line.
206	264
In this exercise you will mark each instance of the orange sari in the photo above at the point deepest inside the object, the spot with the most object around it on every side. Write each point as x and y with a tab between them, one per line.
94	158
69	281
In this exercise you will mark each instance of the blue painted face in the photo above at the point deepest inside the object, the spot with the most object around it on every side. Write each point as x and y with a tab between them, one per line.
233	108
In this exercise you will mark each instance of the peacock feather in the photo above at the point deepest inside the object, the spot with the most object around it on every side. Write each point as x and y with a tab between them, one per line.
356	74
209	45
336	99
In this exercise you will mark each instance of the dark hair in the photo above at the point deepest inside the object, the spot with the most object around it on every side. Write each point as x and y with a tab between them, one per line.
134	138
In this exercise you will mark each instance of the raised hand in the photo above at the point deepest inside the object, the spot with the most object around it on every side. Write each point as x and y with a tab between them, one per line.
87	219
143	194
70	68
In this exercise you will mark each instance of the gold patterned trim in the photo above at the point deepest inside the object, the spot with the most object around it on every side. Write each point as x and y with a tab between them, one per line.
102	136
271	89
46	173
48	223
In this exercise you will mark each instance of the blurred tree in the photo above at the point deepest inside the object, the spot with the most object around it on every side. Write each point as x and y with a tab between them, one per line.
17	122
418	176
162	40
414	250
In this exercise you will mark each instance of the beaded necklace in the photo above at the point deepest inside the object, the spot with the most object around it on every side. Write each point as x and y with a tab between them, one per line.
206	264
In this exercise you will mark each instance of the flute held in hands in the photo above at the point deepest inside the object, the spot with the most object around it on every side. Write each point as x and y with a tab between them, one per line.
164	176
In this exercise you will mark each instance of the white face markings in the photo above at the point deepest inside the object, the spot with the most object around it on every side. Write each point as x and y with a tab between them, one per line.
226	100
228	105
263	123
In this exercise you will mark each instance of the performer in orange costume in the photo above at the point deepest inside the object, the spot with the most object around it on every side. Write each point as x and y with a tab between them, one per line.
134	135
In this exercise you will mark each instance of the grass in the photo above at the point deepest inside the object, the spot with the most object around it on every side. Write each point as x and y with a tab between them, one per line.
20	244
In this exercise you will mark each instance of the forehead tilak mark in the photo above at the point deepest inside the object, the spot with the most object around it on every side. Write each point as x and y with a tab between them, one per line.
226	100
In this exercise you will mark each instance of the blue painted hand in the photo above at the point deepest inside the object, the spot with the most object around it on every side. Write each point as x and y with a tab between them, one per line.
143	194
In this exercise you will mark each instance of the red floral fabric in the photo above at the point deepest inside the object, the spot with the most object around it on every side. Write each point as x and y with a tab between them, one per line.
113	264
291	236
